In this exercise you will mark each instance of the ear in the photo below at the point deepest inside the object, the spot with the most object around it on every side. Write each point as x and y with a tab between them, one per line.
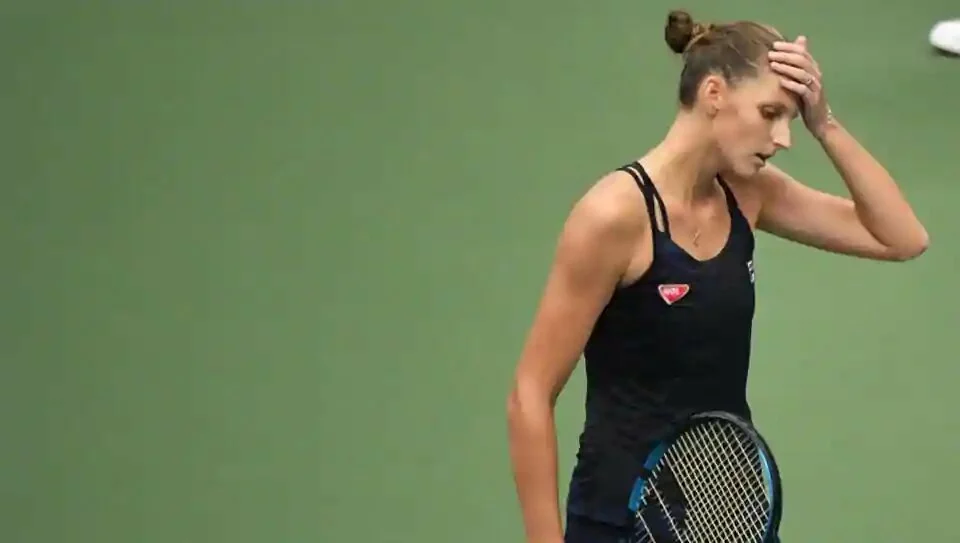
713	93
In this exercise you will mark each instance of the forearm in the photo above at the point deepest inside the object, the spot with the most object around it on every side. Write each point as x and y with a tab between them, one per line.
880	205
533	452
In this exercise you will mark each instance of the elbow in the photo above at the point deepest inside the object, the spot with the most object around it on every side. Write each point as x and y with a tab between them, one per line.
516	417
913	249
517	404
527	401
513	405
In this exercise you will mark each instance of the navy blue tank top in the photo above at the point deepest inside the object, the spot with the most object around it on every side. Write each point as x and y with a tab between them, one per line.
674	342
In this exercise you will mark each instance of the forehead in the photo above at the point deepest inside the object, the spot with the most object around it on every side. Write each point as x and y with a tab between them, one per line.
766	88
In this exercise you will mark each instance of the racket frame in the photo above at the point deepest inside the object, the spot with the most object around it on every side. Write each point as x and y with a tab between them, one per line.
767	460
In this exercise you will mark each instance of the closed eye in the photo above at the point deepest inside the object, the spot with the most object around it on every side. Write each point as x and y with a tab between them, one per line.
773	112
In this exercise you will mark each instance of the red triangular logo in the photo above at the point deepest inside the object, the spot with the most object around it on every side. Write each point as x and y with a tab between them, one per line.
673	293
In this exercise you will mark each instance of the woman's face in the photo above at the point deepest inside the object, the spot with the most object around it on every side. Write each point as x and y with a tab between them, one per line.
751	121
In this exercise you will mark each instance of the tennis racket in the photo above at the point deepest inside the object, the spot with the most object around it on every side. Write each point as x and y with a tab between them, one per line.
713	480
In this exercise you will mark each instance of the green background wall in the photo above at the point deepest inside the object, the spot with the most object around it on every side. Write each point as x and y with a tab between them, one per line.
230	230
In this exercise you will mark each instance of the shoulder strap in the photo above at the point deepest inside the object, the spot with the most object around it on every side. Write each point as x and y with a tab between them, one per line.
732	206
651	195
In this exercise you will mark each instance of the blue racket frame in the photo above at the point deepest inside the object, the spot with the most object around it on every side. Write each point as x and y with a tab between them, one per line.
767	461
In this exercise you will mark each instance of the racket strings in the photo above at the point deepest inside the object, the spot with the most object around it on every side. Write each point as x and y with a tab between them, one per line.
674	529
712	477
729	513
709	518
736	504
739	504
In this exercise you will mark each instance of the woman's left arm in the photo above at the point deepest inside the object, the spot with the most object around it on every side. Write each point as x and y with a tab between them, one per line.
875	222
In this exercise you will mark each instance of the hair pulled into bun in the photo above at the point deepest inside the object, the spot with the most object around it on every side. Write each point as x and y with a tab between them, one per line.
736	50
681	30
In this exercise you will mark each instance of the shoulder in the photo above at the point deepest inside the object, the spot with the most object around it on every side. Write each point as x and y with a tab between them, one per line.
603	230
612	208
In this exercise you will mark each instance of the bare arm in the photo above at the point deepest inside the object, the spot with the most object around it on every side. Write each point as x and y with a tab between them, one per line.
592	254
875	222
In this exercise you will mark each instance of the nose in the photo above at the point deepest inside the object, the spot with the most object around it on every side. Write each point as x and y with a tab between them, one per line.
781	135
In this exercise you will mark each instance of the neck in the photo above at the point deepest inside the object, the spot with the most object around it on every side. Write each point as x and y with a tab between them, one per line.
687	158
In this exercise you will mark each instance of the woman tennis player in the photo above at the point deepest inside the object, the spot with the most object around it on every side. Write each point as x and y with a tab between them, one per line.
653	278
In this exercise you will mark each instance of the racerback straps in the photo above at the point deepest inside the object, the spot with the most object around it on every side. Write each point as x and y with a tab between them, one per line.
651	195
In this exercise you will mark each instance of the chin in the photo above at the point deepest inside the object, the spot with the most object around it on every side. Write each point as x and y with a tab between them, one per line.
743	168
750	167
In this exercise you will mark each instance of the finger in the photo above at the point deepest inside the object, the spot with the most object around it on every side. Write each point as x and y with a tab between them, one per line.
793	59
800	47
790	47
790	58
816	67
795	87
794	49
797	74
803	42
